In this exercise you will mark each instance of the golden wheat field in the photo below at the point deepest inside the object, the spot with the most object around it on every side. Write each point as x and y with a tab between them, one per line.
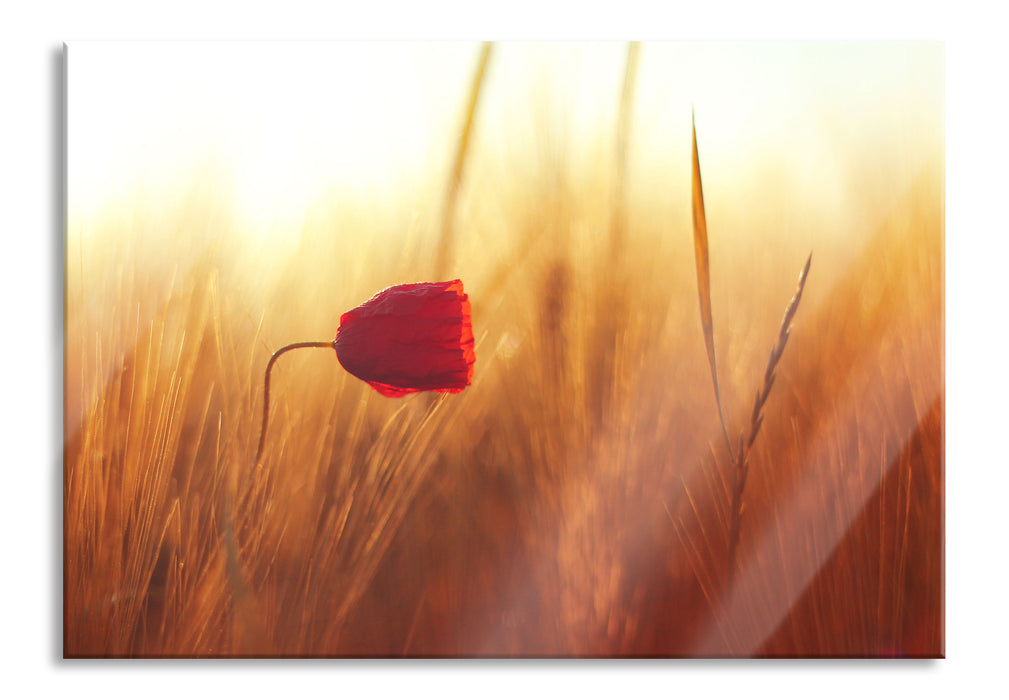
579	498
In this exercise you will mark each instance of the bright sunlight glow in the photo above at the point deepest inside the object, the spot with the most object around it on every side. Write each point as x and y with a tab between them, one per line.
281	124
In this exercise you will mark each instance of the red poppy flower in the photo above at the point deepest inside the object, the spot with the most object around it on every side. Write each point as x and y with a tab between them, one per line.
411	337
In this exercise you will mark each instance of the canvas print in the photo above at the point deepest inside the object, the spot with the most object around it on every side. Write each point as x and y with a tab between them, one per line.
504	350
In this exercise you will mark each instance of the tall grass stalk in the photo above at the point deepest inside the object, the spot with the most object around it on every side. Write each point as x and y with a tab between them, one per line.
618	223
446	242
739	457
704	275
741	463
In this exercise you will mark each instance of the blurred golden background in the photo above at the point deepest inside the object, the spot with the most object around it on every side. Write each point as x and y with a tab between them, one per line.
227	199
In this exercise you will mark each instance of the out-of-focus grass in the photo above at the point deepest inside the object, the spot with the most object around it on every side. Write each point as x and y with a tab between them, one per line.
574	500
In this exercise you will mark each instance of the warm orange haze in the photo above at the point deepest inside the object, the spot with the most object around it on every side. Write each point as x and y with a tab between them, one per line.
579	495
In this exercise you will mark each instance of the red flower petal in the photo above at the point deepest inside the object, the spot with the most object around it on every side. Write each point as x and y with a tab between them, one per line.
411	337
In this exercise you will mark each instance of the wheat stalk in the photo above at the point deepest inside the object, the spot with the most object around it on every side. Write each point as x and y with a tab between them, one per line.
740	463
737	457
445	243
617	219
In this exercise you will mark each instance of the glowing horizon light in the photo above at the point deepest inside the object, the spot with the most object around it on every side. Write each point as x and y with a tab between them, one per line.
275	126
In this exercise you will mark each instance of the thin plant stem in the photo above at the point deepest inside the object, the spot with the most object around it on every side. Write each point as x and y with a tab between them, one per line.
617	220
266	388
741	461
246	614
446	242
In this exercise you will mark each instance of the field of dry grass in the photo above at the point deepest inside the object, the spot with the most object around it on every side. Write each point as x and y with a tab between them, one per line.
575	500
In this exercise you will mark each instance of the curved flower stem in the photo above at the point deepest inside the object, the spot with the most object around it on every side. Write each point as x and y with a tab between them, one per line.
246	620
266	388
